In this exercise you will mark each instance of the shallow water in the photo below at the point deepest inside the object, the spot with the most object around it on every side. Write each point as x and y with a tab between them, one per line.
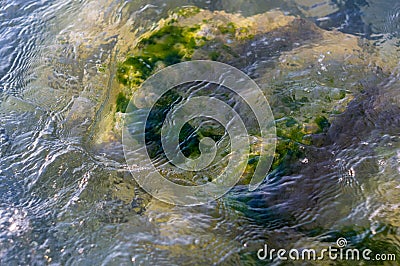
66	199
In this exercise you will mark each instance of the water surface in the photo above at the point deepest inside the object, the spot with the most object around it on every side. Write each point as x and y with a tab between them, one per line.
64	199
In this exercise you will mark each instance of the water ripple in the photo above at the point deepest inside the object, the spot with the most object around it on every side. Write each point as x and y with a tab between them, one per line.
64	203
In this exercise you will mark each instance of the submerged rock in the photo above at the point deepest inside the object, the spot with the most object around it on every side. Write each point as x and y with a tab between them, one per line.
308	74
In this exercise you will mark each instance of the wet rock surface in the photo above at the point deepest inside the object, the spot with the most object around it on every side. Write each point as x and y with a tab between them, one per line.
308	74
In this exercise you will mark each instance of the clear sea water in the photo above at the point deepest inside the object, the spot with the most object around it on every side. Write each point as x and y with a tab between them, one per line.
64	201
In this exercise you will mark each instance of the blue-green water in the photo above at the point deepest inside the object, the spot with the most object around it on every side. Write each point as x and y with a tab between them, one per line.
65	199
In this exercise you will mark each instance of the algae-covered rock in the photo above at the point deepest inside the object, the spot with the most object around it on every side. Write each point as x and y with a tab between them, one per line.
308	74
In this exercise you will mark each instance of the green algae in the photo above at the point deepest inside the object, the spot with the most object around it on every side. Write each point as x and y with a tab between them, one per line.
135	70
214	55
322	123
229	28
167	46
292	135
172	43
168	37
122	103
286	149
